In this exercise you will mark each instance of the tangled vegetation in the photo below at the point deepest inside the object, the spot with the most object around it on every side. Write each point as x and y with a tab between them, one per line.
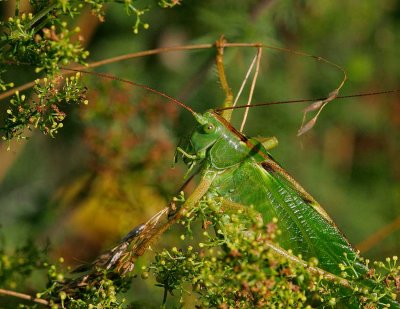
45	40
235	264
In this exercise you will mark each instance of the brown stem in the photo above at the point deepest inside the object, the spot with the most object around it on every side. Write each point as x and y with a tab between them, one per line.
112	60
24	296
171	49
220	44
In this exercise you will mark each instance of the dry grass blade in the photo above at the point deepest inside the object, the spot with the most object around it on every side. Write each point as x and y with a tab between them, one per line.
318	105
308	126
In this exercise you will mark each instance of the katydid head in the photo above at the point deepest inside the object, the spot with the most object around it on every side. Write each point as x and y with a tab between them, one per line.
205	134
216	140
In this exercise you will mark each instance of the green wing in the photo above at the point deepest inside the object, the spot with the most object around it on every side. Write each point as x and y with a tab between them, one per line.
305	225
306	228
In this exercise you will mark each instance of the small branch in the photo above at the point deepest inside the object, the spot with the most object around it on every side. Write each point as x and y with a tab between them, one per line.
42	14
12	91
112	60
147	53
24	296
178	48
228	102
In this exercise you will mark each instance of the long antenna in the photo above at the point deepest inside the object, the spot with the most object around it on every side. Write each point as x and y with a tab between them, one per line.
134	84
310	100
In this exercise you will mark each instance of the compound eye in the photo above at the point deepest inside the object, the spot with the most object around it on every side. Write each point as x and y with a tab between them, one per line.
209	128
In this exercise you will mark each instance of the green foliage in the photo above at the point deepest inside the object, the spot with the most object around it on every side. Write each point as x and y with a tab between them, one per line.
16	266
323	28
46	51
236	266
101	293
43	111
46	41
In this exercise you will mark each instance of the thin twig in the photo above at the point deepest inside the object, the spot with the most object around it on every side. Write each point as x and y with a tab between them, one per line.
24	296
42	14
112	60
148	53
180	48
12	91
220	44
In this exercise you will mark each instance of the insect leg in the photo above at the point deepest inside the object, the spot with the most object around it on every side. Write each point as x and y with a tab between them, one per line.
185	154
122	258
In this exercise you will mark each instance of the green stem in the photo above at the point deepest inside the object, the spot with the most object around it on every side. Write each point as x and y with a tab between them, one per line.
165	296
17	8
41	14
41	25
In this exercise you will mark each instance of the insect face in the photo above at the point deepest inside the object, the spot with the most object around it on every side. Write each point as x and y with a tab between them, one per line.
206	133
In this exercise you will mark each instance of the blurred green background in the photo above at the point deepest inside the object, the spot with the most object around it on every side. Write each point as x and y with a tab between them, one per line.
110	167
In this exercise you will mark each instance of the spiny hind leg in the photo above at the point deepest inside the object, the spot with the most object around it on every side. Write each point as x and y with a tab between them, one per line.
122	258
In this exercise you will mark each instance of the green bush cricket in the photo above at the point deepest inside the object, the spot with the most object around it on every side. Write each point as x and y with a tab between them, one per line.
240	170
